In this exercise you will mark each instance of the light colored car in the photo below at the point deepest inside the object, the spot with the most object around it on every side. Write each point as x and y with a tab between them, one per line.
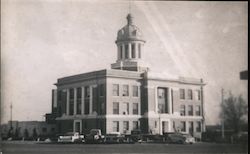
114	137
188	138
71	137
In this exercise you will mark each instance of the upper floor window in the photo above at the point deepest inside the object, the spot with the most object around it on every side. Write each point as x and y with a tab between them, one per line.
190	110
71	93
126	108
115	108
125	91
197	95
87	92
190	94
101	89
182	110
182	93
115	90
198	110
135	108
135	91
79	93
133	50
161	93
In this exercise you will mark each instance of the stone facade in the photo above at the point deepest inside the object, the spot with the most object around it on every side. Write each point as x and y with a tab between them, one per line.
128	96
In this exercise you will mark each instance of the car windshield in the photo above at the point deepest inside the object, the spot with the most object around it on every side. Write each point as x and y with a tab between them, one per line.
94	132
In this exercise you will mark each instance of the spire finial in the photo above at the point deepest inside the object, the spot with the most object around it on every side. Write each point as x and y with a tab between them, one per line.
130	19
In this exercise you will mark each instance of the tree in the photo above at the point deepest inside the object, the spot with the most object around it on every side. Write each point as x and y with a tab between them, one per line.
34	134
234	110
26	133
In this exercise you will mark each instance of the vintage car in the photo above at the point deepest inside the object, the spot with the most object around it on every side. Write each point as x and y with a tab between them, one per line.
188	138
71	137
95	136
180	138
114	137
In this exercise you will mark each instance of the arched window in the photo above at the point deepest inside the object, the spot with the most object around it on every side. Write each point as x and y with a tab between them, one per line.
126	51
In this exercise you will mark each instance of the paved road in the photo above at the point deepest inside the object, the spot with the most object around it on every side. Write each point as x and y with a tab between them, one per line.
32	148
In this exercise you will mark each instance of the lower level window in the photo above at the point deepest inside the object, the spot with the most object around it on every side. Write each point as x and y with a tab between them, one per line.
116	126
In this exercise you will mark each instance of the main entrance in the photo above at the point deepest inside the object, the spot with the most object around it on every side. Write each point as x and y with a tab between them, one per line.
78	126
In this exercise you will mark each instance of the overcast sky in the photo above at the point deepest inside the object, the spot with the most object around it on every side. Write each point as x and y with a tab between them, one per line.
43	40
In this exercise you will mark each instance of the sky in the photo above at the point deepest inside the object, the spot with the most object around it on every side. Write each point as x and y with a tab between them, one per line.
43	40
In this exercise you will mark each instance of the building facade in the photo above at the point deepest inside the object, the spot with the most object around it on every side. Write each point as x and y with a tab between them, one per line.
128	96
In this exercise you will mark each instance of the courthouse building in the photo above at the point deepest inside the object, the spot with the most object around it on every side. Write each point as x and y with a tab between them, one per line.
128	96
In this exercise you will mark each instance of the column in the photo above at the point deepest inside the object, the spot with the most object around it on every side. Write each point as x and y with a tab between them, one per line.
67	102
83	100
169	101
156	100
129	50
90	99
118	52
75	101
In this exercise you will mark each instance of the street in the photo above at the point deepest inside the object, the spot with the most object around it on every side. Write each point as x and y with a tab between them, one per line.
53	148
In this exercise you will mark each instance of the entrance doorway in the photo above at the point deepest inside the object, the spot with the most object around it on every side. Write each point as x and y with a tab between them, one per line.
78	126
165	127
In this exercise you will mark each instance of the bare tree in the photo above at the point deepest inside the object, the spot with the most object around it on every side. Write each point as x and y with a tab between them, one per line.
234	112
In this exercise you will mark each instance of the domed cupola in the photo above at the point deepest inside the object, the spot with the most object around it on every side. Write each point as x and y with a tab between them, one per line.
130	44
130	32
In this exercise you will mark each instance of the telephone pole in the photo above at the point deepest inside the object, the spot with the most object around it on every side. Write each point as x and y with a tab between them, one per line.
11	115
222	120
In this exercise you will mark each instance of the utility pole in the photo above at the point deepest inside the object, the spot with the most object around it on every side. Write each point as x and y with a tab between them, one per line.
222	120
11	115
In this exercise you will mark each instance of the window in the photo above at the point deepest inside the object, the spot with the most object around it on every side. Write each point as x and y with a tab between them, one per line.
102	108
183	126
198	126
155	124
133	50
197	95
59	95
126	107
135	108
139	50
161	108
79	106
190	110
71	107
182	93
52	129
86	106
182	110
198	110
87	92
161	93
190	94
79	93
101	89
135	91
135	125
126	51
115	90
115	126
125	126
115	108
125	91
71	93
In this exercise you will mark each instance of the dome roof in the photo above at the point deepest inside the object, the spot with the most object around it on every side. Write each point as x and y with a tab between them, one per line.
129	32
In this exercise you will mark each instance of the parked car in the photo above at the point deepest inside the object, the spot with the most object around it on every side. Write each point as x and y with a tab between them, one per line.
95	136
136	135
114	137
188	138
71	137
